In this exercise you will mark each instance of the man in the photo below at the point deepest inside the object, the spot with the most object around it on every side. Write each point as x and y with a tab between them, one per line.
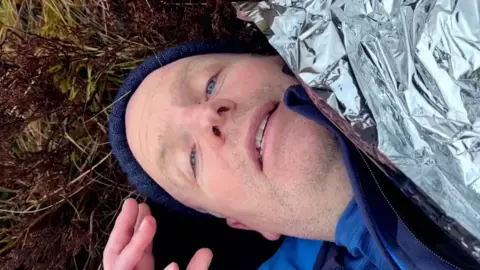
233	135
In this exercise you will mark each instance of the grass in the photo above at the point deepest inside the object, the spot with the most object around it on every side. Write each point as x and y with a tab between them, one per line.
61	63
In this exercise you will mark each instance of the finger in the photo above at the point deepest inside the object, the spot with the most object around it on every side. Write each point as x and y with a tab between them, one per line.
134	251
147	262
201	260
143	211
122	232
172	266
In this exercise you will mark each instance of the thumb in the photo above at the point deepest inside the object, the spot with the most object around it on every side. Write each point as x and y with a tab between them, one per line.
201	260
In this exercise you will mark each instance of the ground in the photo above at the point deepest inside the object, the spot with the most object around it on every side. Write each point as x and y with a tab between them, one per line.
61	63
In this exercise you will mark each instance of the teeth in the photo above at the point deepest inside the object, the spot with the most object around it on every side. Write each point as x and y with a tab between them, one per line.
264	123
261	148
259	137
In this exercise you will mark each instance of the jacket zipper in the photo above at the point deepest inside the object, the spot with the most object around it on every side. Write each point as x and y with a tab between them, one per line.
401	220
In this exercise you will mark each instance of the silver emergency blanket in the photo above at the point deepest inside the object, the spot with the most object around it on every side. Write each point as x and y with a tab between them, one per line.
404	76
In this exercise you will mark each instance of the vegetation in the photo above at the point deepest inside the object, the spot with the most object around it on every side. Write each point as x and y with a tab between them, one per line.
61	63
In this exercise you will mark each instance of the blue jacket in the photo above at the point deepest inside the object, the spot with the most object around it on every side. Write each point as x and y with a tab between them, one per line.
380	229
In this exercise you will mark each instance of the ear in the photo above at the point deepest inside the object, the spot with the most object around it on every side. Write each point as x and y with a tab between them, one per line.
239	225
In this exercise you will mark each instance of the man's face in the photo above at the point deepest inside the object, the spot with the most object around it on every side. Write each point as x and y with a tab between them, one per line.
195	126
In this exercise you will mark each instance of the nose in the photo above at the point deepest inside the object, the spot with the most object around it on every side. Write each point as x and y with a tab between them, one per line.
208	119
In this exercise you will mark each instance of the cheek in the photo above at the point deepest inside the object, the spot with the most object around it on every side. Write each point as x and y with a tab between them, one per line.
256	78
225	181
223	190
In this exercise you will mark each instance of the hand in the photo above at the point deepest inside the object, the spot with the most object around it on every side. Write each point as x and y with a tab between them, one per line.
129	246
242	15
130	243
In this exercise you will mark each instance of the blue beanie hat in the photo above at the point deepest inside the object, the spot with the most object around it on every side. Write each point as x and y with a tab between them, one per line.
143	183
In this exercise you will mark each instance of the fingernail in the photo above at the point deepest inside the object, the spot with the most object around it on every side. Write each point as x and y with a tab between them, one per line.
143	225
171	266
124	203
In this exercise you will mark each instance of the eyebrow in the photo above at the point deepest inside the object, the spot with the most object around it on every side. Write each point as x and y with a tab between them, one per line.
162	160
181	79
162	153
162	163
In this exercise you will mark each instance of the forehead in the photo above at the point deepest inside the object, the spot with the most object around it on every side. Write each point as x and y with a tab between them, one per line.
145	123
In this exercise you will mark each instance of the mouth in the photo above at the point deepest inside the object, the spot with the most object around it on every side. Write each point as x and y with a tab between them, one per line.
257	131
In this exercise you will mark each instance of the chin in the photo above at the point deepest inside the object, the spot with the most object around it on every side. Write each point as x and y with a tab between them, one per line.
303	149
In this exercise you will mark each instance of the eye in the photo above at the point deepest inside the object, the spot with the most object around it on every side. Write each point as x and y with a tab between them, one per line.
193	160
211	85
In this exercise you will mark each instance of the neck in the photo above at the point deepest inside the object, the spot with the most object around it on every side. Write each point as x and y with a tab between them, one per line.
328	220
334	199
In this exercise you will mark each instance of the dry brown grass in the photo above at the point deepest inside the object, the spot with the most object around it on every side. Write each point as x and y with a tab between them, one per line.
61	62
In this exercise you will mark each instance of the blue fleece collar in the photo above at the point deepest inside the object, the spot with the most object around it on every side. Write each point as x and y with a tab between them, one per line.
352	233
